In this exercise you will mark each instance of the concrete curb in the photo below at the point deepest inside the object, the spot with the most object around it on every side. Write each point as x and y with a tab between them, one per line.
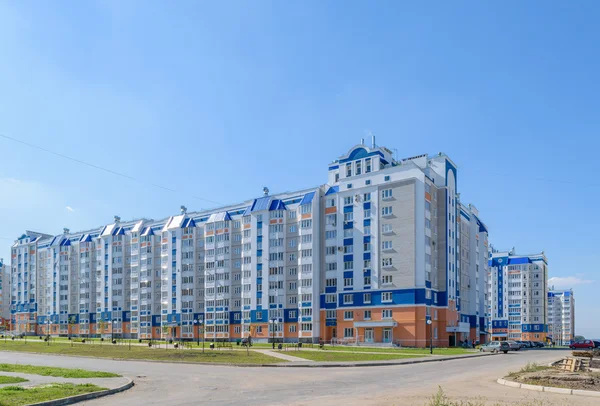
550	389
309	364
86	396
356	364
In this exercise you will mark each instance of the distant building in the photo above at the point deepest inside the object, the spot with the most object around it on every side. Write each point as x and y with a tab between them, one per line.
517	296
561	316
4	291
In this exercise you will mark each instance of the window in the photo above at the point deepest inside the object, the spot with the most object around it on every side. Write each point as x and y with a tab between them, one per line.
331	266
386	211
358	168
348	169
348	315
386	279
348	299
367	165
348	217
387	228
306	223
348	282
386	296
306	326
330	203
331	282
367	315
386	245
348	265
331	219
367	281
367	197
386	178
330	235
367	298
330	298
386	314
330	250
386	262
386	193
330	314
347	200
292	328
293	228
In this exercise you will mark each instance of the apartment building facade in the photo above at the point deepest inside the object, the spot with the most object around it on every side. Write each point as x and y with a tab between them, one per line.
517	306
561	316
4	292
371	256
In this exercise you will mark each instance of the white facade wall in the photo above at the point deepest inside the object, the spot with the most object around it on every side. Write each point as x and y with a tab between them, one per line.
561	316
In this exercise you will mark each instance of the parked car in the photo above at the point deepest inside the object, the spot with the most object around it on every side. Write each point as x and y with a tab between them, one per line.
521	344
514	346
539	344
583	345
495	347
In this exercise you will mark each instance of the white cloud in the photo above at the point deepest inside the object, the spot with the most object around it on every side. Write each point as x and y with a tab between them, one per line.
70	209
566	282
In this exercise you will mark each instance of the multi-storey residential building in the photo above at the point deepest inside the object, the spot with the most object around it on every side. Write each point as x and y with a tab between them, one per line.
561	316
4	292
473	265
517	296
373	255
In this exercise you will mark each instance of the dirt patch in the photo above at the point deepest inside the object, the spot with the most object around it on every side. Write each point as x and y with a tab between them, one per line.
560	379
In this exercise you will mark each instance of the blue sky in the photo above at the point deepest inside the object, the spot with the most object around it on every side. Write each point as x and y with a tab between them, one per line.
216	100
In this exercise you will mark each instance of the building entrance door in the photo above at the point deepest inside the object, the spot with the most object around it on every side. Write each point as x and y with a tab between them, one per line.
368	335
387	335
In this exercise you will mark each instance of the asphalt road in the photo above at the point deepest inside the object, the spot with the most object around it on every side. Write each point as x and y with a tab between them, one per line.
185	384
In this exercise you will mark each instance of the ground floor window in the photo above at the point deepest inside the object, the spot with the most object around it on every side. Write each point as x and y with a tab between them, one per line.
348	332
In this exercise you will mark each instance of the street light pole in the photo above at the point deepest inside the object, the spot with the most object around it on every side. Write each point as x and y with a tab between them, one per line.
48	331
430	335
195	333
200	322
273	323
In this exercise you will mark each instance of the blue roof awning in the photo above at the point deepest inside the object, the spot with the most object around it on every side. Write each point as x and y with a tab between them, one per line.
147	231
260	204
118	231
308	198
188	223
332	190
65	243
86	238
277	205
222	216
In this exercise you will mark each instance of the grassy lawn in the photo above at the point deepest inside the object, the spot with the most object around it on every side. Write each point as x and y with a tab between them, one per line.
223	356
52	371
17	395
11	379
347	356
530	367
405	350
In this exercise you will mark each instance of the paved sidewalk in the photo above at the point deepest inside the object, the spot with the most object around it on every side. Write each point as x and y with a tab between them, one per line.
281	355
35	380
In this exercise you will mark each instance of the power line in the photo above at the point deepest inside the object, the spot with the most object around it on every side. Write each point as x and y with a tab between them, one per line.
79	161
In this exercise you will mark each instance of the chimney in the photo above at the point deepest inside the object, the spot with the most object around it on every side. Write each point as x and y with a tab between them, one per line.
362	141
373	141
183	209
